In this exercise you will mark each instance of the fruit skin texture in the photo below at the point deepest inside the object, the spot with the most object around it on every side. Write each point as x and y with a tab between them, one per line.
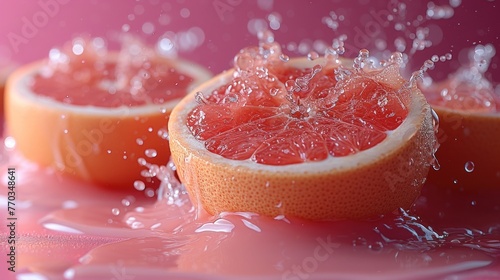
467	136
360	186
100	147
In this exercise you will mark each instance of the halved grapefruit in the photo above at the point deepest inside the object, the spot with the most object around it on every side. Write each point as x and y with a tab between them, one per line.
469	135
6	69
94	113
284	138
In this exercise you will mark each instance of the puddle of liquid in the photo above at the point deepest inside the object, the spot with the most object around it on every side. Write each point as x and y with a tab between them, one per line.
448	233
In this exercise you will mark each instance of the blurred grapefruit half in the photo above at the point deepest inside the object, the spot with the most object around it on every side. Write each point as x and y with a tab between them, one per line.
94	113
469	135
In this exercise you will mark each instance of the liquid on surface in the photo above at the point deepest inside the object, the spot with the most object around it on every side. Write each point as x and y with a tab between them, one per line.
94	234
276	113
87	73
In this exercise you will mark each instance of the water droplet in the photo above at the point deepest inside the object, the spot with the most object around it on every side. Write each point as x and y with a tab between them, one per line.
185	12
163	133
149	192
126	202
115	211
284	57
9	142
377	246
151	153
435	163
455	3
142	161
148	28
139	141
139	185
200	98
125	28
312	55
469	166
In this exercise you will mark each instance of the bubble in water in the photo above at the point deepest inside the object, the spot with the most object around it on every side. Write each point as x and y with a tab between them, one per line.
139	141
115	211
151	153
139	185
469	166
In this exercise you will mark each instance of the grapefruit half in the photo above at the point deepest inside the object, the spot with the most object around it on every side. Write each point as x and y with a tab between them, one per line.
469	136
83	117
241	143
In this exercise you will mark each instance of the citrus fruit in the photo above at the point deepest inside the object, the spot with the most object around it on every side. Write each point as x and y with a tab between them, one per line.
469	152
94	113
285	138
468	109
5	69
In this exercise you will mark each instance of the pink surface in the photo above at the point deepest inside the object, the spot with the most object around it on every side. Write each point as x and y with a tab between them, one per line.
101	245
225	25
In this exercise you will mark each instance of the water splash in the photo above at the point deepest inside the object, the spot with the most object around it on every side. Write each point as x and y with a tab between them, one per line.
467	88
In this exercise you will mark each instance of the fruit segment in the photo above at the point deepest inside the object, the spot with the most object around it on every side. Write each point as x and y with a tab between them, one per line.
285	115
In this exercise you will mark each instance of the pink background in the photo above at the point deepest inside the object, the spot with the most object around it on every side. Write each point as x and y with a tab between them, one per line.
226	30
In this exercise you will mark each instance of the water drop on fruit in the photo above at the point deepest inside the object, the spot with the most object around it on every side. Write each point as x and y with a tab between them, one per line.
312	55
284	57
200	98
469	166
435	163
